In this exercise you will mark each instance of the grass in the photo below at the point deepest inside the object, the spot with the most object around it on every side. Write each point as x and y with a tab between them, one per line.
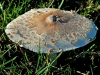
19	61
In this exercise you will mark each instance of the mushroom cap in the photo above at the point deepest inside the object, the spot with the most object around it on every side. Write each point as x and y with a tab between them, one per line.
51	30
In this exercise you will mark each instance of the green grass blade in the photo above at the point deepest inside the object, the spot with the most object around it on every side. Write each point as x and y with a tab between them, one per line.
61	4
49	66
5	63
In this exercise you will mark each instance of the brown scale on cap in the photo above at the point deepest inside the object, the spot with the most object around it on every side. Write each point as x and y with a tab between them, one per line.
83	35
51	50
22	30
53	41
45	44
64	37
73	12
74	38
25	37
16	27
28	42
9	34
60	49
20	42
73	41
13	32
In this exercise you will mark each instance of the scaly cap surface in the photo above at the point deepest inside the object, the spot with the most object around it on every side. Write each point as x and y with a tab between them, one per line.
56	30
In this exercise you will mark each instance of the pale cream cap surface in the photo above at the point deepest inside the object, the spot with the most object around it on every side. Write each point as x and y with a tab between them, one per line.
53	30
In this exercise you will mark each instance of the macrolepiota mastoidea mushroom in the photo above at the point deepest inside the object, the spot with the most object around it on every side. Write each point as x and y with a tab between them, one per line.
54	29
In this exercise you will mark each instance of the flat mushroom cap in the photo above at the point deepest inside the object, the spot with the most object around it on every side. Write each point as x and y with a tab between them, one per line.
52	30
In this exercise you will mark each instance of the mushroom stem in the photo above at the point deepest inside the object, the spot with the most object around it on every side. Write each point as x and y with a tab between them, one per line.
51	58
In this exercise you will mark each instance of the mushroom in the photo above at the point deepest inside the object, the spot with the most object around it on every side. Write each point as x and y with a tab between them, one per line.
54	30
